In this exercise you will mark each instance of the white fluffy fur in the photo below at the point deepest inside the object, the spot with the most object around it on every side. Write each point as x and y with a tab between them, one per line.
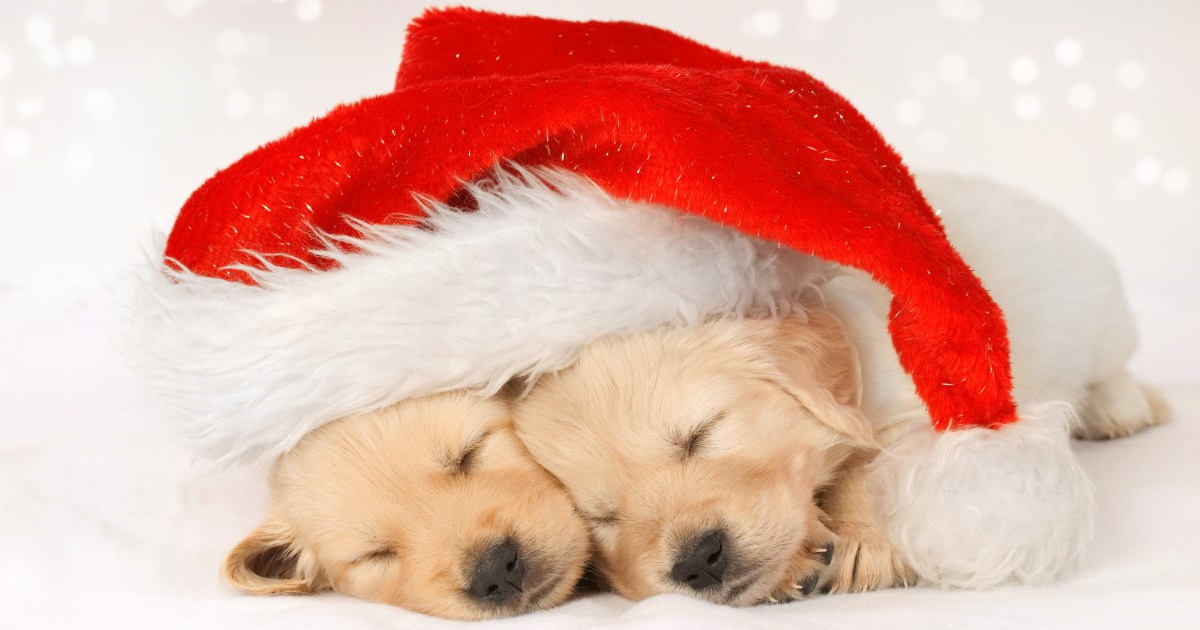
548	263
977	508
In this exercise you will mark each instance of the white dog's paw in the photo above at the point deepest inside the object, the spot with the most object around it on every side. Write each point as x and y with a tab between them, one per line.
866	561
1118	407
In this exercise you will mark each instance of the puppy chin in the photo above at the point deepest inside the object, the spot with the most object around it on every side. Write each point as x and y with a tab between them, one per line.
751	586
749	592
556	584
751	589
764	583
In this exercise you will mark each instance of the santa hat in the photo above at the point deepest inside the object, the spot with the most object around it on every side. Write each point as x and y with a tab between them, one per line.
644	179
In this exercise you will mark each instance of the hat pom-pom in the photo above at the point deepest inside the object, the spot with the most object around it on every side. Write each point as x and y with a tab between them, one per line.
979	507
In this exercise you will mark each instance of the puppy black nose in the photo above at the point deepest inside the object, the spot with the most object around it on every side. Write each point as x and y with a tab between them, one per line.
498	573
702	560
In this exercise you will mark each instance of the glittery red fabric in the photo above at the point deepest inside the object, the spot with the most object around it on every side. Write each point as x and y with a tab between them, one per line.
647	115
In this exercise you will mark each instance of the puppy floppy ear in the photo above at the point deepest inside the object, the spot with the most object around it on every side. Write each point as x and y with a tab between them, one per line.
268	562
820	369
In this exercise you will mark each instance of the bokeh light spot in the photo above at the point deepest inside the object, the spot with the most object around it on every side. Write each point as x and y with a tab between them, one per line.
308	10
39	29
764	23
1147	171
80	51
1024	70
1068	51
821	10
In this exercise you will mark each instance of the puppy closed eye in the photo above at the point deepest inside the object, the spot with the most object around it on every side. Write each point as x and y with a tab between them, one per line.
692	443
608	517
466	461
376	555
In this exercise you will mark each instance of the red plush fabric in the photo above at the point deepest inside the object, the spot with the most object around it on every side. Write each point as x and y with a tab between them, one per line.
648	115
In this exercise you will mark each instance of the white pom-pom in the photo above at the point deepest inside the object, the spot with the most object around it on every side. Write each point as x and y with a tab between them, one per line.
976	508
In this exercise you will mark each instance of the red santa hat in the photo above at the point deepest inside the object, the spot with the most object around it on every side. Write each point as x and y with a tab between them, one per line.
643	179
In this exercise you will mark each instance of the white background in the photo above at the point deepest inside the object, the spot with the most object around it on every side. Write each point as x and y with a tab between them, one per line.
112	112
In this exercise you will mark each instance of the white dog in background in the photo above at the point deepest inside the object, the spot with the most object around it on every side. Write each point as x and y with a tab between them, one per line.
713	460
1070	329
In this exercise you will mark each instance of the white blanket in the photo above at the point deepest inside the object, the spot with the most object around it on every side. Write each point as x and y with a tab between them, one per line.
105	522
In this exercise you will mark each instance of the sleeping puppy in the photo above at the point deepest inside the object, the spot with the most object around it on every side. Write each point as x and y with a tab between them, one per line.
729	460
695	453
430	504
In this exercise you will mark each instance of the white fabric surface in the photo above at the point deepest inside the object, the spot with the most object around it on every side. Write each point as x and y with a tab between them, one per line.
105	522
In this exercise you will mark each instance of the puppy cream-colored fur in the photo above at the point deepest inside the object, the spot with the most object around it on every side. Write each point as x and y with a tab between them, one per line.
725	427
404	506
763	451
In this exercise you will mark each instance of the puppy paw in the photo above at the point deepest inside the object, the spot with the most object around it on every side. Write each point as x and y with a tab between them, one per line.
811	568
1119	407
865	561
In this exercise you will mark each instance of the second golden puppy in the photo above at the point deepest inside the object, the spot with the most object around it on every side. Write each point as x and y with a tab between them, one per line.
430	504
695	453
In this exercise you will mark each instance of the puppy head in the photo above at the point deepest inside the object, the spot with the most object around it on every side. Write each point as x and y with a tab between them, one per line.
431	504
695	453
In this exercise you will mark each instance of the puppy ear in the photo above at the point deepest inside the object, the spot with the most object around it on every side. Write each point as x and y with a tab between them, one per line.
820	369
268	562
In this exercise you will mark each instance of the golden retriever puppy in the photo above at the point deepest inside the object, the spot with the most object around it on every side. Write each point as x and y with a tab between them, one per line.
431	504
695	454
